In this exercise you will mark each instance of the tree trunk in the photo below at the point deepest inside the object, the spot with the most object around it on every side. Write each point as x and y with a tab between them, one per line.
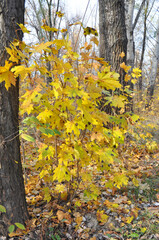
143	46
129	12
12	192
113	39
155	61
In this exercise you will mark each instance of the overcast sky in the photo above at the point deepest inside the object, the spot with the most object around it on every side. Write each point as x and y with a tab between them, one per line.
78	7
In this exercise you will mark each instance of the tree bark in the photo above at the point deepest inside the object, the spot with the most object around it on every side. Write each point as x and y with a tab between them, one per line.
12	192
129	12
113	39
143	45
130	26
155	61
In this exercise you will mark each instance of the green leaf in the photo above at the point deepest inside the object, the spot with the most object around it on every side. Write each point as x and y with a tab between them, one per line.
134	235
2	209
53	237
11	228
57	132
21	226
25	165
64	220
57	237
31	120
28	138
48	131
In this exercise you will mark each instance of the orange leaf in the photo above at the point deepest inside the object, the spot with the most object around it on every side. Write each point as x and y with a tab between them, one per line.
78	219
122	54
125	67
60	214
127	78
63	216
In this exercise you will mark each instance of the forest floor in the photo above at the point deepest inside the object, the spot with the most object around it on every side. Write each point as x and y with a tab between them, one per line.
133	214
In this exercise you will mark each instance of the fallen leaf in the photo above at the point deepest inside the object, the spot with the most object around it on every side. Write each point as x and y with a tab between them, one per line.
60	214
121	199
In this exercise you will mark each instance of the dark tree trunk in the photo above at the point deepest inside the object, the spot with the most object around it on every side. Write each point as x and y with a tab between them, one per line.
12	192
113	39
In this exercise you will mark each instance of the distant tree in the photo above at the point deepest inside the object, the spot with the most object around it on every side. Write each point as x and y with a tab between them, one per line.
129	14
130	27
12	192
155	61
146	13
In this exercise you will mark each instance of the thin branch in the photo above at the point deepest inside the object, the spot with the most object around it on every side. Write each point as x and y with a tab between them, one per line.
81	25
42	11
138	14
57	9
151	8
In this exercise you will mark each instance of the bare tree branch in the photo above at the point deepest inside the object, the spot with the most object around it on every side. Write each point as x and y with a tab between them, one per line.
138	14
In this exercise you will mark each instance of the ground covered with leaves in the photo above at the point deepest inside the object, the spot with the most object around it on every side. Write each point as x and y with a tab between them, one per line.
131	212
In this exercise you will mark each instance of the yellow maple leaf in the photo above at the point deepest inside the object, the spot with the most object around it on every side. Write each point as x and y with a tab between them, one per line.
23	28
6	75
59	43
143	230
21	70
41	46
49	29
60	188
122	54
136	73
6	67
44	115
120	180
61	173
47	195
95	40
56	93
64	30
43	173
60	14
72	127
96	136
127	78
109	80
118	101
125	67
129	219
101	217
13	55
135	182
